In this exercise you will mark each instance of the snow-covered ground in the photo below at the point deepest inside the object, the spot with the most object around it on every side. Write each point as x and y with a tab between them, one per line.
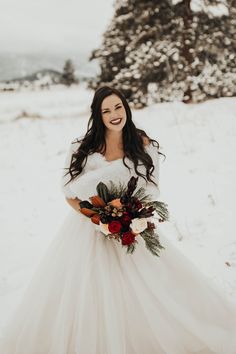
197	180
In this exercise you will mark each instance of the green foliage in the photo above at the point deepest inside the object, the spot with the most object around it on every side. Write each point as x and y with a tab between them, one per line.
131	248
140	193
161	209
152	242
116	191
103	192
86	204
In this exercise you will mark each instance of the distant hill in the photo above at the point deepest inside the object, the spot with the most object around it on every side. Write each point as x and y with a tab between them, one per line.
17	66
53	75
40	79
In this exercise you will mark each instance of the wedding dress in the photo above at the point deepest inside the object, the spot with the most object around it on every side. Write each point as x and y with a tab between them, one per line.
88	296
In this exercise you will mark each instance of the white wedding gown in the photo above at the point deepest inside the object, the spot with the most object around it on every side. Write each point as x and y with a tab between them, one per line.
88	296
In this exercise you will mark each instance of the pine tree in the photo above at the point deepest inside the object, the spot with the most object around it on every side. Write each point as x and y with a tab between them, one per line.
169	50
68	75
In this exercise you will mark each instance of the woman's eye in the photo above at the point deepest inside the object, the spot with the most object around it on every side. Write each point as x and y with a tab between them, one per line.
109	111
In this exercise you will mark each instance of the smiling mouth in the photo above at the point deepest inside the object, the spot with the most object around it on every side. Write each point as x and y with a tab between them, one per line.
116	121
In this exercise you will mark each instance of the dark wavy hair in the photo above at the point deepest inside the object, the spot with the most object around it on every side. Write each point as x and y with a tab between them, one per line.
94	139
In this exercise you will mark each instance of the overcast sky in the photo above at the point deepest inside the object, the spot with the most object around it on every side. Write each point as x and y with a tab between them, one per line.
53	25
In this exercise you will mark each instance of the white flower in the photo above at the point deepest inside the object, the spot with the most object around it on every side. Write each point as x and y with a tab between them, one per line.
138	225
103	228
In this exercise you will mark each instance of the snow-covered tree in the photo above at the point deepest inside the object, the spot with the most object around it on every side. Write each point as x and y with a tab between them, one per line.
169	50
68	75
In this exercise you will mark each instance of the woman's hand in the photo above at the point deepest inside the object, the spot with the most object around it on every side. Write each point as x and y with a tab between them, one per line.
74	203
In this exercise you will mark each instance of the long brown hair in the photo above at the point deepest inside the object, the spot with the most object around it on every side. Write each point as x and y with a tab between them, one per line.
94	139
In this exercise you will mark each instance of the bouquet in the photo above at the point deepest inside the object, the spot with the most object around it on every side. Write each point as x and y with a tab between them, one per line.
122	214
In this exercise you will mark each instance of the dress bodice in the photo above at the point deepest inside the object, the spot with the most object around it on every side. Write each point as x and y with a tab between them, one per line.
99	169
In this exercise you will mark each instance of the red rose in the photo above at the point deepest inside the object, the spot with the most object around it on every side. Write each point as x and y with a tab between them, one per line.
114	226
126	219
128	238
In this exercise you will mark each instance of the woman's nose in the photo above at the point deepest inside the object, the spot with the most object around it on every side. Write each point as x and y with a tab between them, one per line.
114	114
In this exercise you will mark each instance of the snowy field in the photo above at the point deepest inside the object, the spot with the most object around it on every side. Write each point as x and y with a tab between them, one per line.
197	180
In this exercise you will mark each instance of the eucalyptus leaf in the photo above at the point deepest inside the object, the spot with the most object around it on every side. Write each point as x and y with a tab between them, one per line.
85	204
103	191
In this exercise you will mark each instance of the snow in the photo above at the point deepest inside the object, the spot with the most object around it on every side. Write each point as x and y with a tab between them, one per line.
216	10
196	180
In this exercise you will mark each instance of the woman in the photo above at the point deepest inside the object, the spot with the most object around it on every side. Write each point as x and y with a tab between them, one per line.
89	296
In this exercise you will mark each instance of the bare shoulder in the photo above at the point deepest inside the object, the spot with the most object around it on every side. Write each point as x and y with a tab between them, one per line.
152	150
146	141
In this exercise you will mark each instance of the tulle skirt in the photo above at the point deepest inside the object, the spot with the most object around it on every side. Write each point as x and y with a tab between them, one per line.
88	296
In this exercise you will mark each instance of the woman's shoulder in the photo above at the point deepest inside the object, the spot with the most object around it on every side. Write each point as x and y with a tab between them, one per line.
152	149
146	140
149	146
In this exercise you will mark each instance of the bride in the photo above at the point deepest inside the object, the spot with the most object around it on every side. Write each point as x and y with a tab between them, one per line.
88	296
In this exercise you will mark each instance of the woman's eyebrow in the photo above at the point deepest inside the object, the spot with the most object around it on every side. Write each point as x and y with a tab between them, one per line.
108	108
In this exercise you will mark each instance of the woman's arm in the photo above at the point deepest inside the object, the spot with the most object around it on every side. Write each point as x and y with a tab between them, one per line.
71	197
151	188
74	203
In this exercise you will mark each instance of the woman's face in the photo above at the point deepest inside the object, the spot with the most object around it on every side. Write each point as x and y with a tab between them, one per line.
113	113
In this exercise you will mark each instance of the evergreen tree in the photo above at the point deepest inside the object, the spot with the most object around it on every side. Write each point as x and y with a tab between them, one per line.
68	75
169	50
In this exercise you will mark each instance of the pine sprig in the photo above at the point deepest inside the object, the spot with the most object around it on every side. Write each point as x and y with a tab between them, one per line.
161	209
142	196
116	190
152	242
145	199
131	248
140	193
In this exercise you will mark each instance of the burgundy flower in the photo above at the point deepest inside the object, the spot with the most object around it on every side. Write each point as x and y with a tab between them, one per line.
138	205
114	226
128	238
129	205
126	219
